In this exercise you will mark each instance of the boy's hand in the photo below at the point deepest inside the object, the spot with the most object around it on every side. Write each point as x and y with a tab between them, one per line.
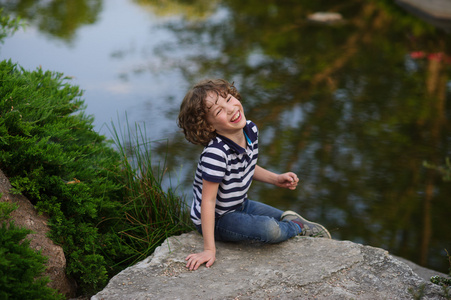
287	180
197	259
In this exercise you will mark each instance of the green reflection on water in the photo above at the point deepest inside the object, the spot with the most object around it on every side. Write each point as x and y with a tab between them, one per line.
59	19
354	108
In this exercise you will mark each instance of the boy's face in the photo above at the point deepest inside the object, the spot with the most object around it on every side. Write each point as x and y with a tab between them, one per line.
225	115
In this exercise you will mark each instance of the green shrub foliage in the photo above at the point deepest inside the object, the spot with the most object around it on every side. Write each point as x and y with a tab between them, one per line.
52	155
21	267
107	210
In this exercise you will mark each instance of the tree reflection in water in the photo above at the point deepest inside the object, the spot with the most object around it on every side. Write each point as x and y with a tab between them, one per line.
60	19
349	107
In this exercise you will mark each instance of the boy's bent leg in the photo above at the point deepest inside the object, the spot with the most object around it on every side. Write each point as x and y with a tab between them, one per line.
240	226
257	208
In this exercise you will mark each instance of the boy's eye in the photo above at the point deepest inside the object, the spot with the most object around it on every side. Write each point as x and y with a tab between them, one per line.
218	111
229	99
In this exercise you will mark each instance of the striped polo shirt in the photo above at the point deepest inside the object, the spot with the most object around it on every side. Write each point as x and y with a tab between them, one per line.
225	162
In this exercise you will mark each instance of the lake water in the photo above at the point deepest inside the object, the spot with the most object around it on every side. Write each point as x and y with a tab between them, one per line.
353	107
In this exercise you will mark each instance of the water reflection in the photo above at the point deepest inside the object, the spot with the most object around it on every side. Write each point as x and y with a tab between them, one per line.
192	10
59	19
353	108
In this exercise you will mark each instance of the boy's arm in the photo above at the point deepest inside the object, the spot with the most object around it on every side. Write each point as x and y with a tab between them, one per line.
286	180
208	256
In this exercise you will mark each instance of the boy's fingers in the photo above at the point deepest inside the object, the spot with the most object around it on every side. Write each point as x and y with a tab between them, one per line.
197	265
193	266
188	264
210	263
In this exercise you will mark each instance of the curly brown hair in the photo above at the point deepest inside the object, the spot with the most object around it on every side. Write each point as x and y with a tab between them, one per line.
193	112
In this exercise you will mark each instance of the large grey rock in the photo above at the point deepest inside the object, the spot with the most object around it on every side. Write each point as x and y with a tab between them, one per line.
306	268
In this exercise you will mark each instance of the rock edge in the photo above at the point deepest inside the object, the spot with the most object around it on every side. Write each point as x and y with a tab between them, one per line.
306	268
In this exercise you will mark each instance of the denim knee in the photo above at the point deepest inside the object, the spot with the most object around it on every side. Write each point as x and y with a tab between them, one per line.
273	232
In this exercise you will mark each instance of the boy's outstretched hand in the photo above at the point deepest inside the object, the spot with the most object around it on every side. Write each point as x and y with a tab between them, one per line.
287	180
197	259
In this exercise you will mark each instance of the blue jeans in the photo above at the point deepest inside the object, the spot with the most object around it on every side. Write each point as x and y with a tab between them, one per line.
254	221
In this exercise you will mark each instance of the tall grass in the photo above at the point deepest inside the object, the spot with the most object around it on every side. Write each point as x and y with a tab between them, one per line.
150	214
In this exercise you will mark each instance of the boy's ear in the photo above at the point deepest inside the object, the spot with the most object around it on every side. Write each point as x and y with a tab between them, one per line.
211	128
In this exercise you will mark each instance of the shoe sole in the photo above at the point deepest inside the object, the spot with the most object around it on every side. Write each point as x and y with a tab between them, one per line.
292	213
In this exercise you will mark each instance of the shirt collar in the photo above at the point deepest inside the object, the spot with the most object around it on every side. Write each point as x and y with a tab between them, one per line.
234	146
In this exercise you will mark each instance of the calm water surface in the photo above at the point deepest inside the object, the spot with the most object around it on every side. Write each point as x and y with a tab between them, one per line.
354	108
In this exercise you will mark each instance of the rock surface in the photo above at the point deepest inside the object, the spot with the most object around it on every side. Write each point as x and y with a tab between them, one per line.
301	268
27	216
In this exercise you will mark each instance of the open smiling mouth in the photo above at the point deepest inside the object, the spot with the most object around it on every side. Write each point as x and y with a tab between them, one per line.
236	116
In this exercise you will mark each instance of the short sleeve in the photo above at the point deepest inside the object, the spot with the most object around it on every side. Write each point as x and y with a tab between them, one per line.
214	164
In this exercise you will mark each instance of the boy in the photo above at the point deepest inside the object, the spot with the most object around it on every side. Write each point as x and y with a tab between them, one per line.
211	115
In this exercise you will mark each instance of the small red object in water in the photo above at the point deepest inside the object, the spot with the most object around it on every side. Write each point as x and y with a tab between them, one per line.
417	54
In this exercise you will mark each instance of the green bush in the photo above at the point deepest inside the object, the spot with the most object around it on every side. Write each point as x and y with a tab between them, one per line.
51	154
445	282
107	208
21	267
